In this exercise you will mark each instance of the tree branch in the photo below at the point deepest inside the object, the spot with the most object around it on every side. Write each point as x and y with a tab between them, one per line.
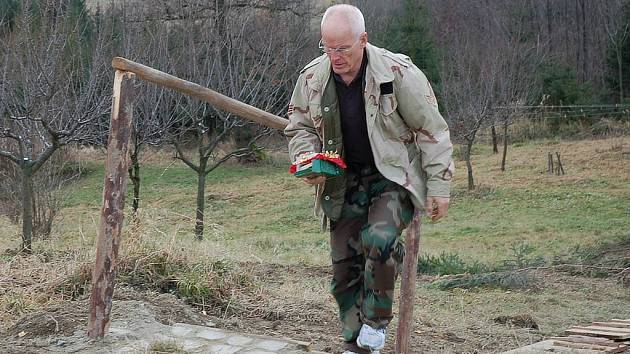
10	156
250	149
180	156
39	162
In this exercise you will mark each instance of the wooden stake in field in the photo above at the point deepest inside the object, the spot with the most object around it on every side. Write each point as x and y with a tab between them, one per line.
408	284
114	190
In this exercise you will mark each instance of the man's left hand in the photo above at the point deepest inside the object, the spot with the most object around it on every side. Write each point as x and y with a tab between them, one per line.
436	207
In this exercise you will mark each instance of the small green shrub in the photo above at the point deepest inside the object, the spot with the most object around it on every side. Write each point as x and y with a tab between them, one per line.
448	263
502	280
523	256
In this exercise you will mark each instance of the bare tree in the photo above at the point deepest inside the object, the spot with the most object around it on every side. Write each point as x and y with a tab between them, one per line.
617	32
153	118
487	69
469	76
51	92
244	57
521	56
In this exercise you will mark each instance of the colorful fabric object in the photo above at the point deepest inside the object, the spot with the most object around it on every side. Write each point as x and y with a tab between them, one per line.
306	161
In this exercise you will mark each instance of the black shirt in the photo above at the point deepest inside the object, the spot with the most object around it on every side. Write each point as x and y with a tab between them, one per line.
356	144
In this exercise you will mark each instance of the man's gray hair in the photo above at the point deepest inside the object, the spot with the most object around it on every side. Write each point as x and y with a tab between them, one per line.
351	14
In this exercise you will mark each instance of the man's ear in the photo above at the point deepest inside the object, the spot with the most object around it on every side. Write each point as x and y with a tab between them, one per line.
363	39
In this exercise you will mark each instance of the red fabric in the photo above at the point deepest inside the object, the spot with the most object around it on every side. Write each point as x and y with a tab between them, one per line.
336	160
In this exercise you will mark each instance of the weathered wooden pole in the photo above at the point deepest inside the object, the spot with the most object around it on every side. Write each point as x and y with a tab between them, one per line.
114	190
203	93
408	284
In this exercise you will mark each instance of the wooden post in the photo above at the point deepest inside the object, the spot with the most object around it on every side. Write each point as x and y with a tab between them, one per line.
114	190
408	284
560	168
203	93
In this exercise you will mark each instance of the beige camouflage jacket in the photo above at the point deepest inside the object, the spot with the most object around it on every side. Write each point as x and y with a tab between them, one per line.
409	138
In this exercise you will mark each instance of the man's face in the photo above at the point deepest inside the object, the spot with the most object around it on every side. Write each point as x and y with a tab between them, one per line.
340	36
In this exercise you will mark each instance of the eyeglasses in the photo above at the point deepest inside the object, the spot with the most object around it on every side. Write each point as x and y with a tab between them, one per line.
340	50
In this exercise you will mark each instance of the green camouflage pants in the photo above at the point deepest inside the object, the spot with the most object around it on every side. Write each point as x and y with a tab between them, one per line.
366	249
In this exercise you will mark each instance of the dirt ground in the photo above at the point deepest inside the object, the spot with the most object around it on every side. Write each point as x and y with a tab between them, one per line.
292	302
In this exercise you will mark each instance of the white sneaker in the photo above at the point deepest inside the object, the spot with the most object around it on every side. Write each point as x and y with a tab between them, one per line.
371	339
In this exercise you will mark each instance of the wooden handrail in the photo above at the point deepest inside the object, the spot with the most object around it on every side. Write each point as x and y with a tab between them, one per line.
203	93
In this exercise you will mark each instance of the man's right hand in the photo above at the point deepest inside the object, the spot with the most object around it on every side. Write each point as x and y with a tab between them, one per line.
314	180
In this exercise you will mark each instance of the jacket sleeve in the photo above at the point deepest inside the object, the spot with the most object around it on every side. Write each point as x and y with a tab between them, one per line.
419	109
301	131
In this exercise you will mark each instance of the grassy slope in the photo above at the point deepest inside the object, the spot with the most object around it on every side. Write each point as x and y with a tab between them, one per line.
263	214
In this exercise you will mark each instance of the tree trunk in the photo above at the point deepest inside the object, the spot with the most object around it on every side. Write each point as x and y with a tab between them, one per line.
620	73
578	57
505	145
584	39
201	192
408	284
27	209
471	180
134	175
495	148
549	28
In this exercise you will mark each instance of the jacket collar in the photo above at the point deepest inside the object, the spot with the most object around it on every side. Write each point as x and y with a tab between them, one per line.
377	66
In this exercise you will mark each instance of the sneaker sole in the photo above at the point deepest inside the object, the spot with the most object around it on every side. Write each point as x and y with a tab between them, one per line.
374	350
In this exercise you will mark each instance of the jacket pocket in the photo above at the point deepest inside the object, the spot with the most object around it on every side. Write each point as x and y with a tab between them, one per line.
387	104
392	124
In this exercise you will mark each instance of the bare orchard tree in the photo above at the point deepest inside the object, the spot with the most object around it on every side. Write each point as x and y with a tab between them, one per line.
242	56
617	32
51	92
57	173
485	69
145	42
469	77
467	88
522	55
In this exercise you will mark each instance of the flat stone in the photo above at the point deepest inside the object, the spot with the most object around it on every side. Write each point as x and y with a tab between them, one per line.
255	351
119	332
211	334
160	337
239	340
180	331
191	344
193	327
224	349
271	345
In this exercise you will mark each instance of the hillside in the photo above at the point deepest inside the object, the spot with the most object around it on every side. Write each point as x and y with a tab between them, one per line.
263	267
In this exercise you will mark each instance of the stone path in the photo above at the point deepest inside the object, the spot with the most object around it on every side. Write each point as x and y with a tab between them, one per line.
140	332
201	339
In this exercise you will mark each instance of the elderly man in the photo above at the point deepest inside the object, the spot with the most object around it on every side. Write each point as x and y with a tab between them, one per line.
378	111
